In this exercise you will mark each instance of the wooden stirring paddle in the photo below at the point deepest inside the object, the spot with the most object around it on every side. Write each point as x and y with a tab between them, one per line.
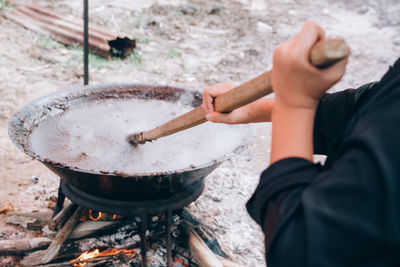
323	54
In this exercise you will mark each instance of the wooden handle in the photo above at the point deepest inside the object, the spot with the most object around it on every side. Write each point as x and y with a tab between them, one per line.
322	54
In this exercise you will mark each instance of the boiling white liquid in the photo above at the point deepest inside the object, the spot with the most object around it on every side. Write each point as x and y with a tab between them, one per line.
93	137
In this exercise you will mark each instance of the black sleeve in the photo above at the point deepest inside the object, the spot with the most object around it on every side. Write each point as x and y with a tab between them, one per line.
333	113
317	217
347	214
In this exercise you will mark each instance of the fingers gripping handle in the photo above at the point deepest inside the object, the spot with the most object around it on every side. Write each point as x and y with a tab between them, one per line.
323	54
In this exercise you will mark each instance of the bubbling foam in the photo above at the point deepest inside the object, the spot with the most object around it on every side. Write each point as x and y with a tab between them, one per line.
92	136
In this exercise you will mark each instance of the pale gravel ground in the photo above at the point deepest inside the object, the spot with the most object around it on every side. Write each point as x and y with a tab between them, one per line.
193	51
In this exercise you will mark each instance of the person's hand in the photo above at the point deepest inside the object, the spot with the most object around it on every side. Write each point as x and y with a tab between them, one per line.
297	83
258	111
209	94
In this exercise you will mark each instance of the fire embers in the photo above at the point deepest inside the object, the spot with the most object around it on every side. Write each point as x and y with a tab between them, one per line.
119	243
99	256
178	263
100	216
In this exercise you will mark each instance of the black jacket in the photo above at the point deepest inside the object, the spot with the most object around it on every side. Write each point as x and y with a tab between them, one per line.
347	212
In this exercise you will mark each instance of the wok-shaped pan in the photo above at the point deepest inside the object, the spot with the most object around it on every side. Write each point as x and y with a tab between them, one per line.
132	187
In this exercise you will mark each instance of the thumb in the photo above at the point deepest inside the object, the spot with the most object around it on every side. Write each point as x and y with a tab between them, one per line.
219	117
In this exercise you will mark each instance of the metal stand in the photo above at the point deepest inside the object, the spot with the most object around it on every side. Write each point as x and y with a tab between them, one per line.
143	241
168	240
85	42
142	208
60	201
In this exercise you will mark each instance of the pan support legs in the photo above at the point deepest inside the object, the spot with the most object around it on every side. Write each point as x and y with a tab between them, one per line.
143	243
168	240
60	201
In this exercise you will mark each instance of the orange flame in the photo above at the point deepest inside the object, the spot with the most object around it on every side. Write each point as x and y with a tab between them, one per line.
99	214
177	260
80	261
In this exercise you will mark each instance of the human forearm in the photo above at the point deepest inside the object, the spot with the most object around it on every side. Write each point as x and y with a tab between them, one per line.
292	132
298	86
262	110
257	111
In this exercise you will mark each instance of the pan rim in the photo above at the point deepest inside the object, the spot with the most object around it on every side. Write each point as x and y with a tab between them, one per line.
84	91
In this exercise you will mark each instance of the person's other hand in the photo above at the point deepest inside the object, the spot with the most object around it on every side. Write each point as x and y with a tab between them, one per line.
297	83
257	111
209	94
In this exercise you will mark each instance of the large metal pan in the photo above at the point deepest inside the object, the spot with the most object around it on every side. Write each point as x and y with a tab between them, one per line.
109	185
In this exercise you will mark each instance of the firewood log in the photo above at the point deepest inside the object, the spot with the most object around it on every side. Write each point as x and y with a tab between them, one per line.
23	244
45	256
59	220
200	251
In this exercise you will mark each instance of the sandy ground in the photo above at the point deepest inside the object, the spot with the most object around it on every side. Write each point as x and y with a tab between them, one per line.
191	44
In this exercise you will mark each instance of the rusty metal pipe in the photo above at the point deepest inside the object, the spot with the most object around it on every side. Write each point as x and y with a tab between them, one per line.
48	22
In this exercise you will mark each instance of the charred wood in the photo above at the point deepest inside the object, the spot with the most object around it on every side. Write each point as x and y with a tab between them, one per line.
89	263
31	221
207	235
199	249
23	245
45	256
99	261
82	229
59	220
87	228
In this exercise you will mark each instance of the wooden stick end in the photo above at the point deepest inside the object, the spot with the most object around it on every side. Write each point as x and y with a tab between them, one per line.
327	53
136	138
